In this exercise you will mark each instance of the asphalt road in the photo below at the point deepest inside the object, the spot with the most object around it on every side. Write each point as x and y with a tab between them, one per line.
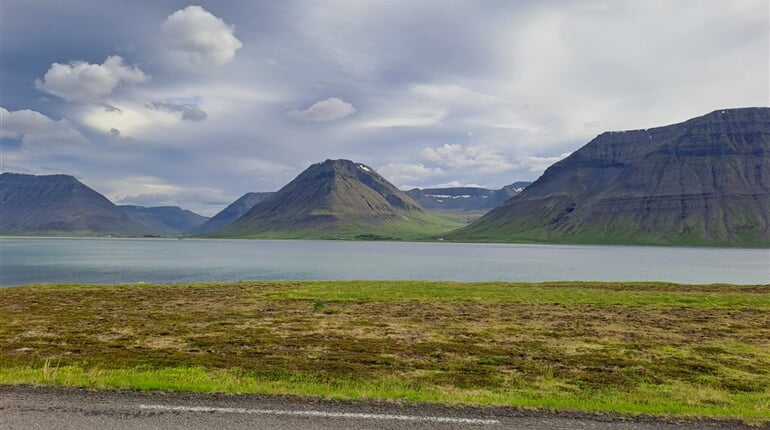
46	408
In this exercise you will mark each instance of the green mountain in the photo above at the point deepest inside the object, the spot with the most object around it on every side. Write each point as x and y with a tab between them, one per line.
705	181
58	205
337	199
164	219
232	212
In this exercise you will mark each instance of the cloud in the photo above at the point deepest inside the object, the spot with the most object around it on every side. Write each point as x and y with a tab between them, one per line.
81	81
458	156
131	119
154	191
458	184
407	117
202	38
402	173
325	110
190	112
34	128
538	165
530	80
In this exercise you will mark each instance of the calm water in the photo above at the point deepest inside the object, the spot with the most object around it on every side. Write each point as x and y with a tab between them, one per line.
110	261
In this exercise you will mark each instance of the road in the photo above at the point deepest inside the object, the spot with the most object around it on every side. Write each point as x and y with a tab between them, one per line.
47	408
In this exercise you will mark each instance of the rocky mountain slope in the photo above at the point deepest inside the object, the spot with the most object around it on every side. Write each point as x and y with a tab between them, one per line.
705	181
232	212
464	199
337	199
58	204
164	219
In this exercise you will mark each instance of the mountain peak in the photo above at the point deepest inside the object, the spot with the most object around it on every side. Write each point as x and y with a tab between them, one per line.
332	198
55	204
346	166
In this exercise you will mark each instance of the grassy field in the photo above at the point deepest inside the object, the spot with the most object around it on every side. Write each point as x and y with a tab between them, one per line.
632	348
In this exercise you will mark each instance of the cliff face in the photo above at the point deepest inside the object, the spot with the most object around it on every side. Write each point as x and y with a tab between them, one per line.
58	204
705	181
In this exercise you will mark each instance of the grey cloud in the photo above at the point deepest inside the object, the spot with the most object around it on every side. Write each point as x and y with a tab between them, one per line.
531	80
330	109
402	174
202	201
190	112
147	200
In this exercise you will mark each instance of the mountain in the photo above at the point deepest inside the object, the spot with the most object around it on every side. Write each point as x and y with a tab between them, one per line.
464	199
58	204
337	199
164	219
705	181
232	212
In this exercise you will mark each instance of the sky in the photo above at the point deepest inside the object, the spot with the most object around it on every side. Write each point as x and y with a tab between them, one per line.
165	102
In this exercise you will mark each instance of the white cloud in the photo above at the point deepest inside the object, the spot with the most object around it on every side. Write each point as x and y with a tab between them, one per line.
458	156
402	173
83	81
202	38
457	184
325	110
34	128
406	118
153	191
424	105
131	119
538	165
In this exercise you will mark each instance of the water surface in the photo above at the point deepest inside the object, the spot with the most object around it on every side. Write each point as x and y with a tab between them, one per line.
115	261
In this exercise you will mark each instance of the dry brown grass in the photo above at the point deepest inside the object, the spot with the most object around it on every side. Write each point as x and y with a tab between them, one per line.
463	344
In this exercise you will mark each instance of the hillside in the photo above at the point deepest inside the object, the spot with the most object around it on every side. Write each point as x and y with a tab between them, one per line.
464	199
705	181
164	219
232	212
58	204
337	199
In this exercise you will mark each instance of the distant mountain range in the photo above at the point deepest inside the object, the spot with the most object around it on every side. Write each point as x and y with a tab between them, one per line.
56	205
232	212
337	199
705	181
464	199
164	220
472	200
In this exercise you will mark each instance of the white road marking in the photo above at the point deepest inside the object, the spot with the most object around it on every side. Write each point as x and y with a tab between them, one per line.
322	414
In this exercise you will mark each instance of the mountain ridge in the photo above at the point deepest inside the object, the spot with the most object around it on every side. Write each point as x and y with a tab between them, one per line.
58	204
704	181
335	199
232	212
464	199
164	219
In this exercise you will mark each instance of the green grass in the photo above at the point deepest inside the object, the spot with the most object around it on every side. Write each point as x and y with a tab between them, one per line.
412	227
662	349
561	293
